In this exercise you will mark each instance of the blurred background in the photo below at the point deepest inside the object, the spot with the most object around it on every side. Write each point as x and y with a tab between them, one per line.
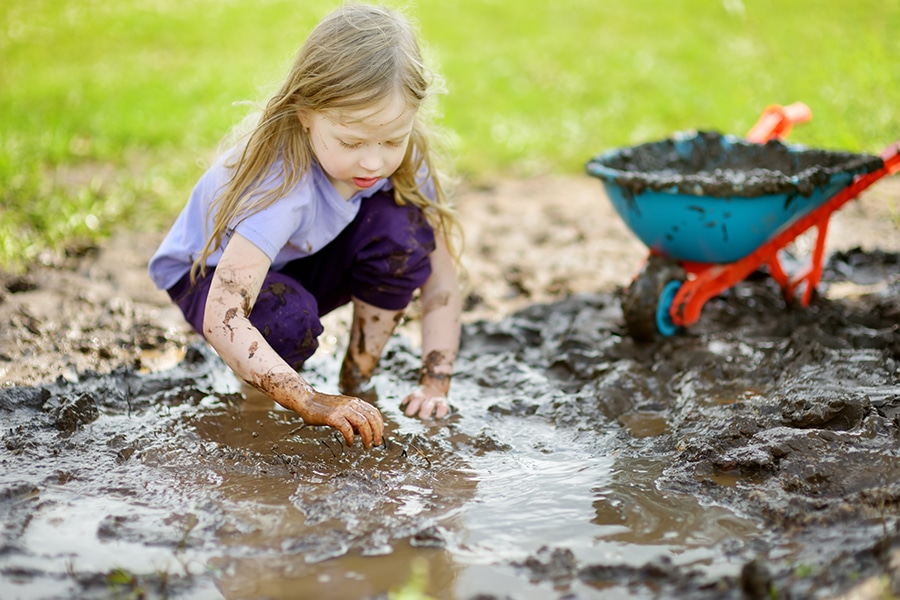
109	111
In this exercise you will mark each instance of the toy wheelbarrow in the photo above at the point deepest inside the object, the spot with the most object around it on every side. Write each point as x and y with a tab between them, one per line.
714	208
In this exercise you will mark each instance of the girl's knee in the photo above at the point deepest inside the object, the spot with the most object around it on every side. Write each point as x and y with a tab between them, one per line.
287	316
395	258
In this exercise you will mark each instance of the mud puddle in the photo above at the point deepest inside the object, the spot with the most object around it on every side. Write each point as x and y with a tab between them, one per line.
756	454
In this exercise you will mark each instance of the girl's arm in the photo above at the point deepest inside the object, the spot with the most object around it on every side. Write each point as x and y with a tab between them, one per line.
441	310
226	325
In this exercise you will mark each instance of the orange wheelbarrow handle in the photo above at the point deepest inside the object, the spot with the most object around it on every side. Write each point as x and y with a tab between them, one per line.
776	121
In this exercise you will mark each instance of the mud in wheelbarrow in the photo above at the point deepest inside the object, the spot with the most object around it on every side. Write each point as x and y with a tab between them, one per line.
713	208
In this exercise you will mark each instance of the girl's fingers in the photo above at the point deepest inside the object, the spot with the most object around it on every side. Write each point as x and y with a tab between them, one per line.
442	408
361	424
423	403
372	418
343	425
376	422
436	406
412	405
424	408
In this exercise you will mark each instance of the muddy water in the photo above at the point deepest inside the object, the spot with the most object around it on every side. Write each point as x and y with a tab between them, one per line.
758	451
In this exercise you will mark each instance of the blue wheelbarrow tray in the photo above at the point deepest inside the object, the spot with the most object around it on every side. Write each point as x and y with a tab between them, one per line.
713	198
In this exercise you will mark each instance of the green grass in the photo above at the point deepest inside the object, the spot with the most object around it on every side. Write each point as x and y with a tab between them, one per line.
108	110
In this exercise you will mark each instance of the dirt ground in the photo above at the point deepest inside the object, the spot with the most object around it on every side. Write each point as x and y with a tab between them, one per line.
537	250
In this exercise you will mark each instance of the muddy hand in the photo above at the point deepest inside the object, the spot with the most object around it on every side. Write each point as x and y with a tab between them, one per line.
346	414
424	403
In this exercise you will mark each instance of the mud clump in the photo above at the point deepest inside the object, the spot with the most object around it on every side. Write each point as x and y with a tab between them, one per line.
820	411
72	413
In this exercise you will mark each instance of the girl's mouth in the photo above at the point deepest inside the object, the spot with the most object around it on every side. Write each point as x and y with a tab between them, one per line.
365	182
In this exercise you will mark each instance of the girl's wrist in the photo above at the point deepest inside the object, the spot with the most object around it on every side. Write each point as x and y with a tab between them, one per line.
436	377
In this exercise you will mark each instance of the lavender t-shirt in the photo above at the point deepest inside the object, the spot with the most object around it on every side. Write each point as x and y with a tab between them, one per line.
296	225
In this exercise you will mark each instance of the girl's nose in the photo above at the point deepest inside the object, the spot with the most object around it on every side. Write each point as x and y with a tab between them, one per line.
371	159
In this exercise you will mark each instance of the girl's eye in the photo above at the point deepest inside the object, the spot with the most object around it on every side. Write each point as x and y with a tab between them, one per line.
348	146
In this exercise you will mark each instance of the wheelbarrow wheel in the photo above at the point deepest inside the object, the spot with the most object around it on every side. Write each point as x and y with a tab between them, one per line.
649	298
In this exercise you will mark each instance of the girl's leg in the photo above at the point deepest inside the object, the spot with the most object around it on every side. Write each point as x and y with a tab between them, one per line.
285	313
377	262
371	329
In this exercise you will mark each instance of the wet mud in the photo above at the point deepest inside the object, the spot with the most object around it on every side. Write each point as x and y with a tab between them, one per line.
709	163
755	455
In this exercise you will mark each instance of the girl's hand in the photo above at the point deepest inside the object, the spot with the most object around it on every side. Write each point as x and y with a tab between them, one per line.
426	401
346	414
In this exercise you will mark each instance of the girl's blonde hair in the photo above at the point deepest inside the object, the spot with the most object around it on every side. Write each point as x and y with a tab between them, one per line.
355	58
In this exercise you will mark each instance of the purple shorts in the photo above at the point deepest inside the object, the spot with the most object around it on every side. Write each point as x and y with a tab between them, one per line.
381	257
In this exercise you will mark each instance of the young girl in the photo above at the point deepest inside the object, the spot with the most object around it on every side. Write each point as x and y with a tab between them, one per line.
332	198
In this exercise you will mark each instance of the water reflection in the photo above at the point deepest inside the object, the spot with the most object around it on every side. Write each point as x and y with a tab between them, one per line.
350	576
649	516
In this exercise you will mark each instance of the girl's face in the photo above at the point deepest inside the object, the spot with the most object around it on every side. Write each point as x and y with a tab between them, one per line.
359	147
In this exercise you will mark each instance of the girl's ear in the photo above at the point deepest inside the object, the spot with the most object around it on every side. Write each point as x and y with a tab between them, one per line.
305	117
